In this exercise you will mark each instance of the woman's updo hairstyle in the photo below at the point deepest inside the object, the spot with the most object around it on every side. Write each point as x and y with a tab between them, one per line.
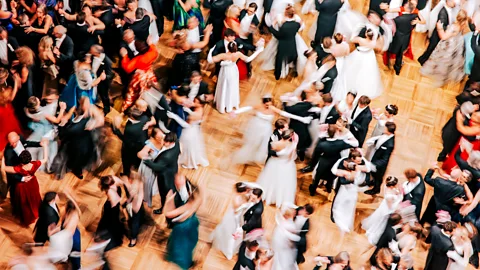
338	37
240	187
232	47
369	34
287	134
309	53
25	157
106	182
392	109
391	181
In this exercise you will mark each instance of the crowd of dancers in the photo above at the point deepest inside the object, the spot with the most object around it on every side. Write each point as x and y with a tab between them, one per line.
61	59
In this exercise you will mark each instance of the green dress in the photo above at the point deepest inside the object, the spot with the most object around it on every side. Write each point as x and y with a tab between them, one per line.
180	17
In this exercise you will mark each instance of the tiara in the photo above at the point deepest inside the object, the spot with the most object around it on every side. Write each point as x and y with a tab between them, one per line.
267	96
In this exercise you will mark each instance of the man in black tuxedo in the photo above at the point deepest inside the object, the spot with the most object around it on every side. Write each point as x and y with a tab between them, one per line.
253	216
8	45
218	9
302	217
140	27
450	133
248	20
474	43
375	6
47	214
15	146
166	167
63	52
102	64
394	226
286	50
161	9
198	88
128	43
414	190
280	126
328	114
326	153
325	84
446	194
301	128
246	255
361	118
441	243
327	18
82	39
381	149
445	17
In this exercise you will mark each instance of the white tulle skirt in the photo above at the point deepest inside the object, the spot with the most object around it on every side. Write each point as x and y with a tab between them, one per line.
193	148
347	22
269	54
227	92
339	88
279	181
422	28
343	209
222	237
255	145
361	74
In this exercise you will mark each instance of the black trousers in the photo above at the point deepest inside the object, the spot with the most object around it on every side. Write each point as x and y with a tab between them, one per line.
160	11
135	222
129	157
377	179
103	93
431	47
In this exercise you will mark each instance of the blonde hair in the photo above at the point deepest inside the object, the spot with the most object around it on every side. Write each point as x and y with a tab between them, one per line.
46	43
462	17
42	8
25	56
231	9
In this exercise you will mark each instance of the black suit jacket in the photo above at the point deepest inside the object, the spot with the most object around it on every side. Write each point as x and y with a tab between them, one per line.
327	153
253	217
475	74
300	109
105	66
441	244
275	136
415	196
12	45
375	6
388	235
286	40
242	260
140	28
81	38
66	57
331	118
11	159
444	191
381	157
166	166
46	216
359	127
302	244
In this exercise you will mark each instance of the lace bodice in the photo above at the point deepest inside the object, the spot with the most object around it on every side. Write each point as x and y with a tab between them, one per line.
227	63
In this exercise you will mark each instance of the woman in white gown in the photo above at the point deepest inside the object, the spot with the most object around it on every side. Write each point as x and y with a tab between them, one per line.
407	241
227	92
362	73
283	240
375	224
150	152
191	141
277	13
258	131
279	176
459	257
145	4
228	235
345	202
387	116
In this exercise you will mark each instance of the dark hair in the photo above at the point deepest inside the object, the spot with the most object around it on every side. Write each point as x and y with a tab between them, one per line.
287	134
51	91
391	109
468	175
240	187
155	131
106	182
449	226
303	96
309	53
327	98
229	32
49	196
369	34
354	153
141	46
394	219
364	100
373	12
410	173
183	90
139	13
253	5
338	38
308	208
97	48
257	192
232	47
280	123
391	181
70	207
81	17
1	27
170	137
252	244
196	73
332	129
327	42
135	113
352	93
32	102
266	100
25	157
391	127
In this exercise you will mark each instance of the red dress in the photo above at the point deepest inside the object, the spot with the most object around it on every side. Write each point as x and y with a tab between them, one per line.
450	162
241	65
408	53
27	194
8	123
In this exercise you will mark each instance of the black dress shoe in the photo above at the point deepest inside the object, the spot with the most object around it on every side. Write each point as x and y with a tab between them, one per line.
132	245
301	155
372	192
306	169
397	69
158	211
312	190
364	184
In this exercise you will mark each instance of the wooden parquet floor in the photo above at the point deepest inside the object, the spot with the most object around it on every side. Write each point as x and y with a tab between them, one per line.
423	109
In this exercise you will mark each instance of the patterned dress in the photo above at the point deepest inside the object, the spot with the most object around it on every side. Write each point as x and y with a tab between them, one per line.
447	60
180	16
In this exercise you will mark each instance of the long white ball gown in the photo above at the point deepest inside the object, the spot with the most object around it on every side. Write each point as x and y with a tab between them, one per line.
227	92
145	4
268	56
375	224
256	138
345	202
283	244
222	237
279	177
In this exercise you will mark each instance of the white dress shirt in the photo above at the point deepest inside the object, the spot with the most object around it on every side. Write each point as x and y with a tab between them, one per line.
380	140
54	206
19	148
3	52
245	25
97	61
358	111
409	186
132	47
59	41
194	88
450	14
183	192
193	36
325	111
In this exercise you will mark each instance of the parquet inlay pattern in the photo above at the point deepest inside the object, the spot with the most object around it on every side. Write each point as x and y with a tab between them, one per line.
423	111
